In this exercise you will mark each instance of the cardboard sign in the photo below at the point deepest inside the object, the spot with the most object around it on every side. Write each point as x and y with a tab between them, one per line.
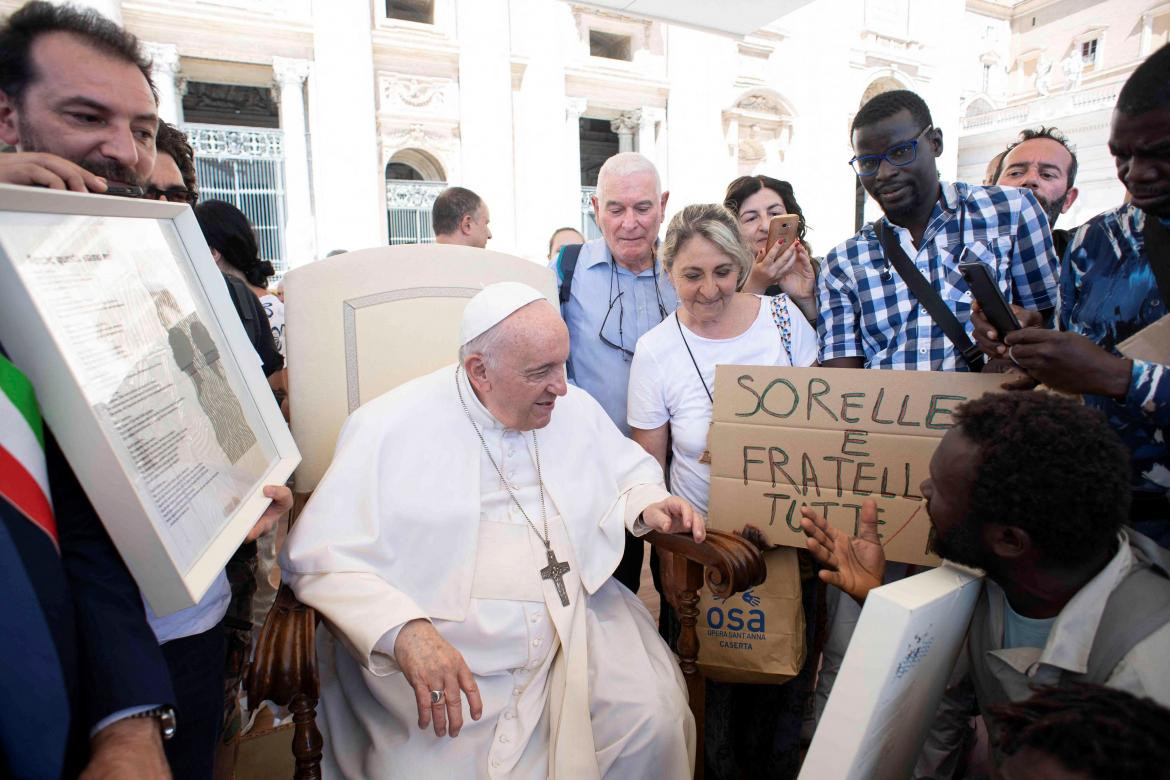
894	675
782	438
1151	343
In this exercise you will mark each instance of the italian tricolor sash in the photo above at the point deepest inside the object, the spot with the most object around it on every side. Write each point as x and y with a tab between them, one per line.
24	478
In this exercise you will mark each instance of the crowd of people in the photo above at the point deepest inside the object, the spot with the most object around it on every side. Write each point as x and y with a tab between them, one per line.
1059	494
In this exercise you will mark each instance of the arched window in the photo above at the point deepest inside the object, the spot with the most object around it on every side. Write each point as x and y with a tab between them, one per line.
397	171
414	178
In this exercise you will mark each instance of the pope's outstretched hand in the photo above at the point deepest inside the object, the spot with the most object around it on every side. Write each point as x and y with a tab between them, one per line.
430	663
855	564
674	515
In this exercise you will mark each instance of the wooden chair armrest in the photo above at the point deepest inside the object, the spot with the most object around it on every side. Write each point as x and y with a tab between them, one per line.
284	671
285	661
731	563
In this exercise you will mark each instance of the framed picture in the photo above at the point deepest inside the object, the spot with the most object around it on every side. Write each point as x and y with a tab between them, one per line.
894	675
116	311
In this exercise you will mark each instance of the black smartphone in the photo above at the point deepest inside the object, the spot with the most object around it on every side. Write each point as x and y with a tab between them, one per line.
991	300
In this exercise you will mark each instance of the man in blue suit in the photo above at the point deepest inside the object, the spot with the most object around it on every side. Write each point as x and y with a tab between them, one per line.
83	681
79	661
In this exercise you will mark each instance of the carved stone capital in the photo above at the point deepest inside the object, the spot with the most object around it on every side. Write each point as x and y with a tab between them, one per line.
627	122
290	72
575	107
164	58
651	115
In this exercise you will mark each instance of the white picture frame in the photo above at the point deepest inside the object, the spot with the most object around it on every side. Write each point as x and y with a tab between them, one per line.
894	675
116	311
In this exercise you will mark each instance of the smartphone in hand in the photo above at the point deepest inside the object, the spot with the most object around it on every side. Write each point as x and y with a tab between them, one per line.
991	300
782	229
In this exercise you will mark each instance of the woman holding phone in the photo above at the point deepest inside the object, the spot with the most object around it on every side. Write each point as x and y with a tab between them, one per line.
787	265
751	730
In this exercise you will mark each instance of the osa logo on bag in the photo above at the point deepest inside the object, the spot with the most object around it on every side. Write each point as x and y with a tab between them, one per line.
736	618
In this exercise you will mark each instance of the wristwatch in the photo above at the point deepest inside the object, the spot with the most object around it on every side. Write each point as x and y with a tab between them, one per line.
165	716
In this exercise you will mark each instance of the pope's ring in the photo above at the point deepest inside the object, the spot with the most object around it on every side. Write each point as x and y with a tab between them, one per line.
436	697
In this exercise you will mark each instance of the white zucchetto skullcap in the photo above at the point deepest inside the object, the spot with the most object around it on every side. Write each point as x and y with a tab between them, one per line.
492	305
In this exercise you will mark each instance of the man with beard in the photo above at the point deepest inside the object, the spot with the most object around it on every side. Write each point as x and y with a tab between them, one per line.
1043	162
76	101
869	318
1034	489
1115	279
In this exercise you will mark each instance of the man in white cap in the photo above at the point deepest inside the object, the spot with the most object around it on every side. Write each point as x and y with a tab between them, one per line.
461	548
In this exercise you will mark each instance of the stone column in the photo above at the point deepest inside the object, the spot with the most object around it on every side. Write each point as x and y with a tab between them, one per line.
732	137
574	108
348	178
648	119
645	133
1147	35
485	121
290	80
625	126
111	9
164	70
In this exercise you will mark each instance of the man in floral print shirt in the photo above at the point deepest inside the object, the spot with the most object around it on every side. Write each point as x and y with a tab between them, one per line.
1109	291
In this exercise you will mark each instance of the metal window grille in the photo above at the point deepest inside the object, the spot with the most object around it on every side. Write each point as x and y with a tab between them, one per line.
589	227
408	210
245	167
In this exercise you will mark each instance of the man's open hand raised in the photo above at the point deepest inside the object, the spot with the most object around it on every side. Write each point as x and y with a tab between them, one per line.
430	663
855	564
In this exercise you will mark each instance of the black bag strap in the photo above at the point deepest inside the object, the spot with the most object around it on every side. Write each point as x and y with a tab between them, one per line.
566	265
921	289
1157	240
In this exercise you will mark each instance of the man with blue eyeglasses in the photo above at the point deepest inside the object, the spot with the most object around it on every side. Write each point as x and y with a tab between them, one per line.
869	317
612	290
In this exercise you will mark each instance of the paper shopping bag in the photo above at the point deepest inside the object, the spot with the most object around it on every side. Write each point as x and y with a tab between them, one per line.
756	636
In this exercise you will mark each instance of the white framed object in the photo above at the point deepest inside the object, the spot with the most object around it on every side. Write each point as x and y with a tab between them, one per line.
121	319
894	674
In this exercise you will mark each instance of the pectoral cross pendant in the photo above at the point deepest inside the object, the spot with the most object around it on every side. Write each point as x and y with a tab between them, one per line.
556	571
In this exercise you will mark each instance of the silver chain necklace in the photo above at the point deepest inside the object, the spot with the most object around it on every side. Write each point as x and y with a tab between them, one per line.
556	570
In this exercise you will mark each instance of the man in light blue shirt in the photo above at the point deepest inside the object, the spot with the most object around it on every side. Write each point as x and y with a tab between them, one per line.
617	292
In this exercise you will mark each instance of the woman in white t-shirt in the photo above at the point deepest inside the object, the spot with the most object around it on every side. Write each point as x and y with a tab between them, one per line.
672	375
672	379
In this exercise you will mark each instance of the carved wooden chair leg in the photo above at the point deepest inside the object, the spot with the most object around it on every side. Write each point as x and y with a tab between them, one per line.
307	743
688	575
284	670
726	564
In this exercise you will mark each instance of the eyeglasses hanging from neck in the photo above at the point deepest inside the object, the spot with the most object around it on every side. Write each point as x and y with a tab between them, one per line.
615	282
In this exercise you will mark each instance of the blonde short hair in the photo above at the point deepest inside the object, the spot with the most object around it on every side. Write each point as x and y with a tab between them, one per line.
715	223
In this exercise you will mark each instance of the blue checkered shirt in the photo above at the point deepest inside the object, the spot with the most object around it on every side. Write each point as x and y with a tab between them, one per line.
867	311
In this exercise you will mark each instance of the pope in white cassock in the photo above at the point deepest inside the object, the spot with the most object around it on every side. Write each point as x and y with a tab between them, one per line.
461	548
